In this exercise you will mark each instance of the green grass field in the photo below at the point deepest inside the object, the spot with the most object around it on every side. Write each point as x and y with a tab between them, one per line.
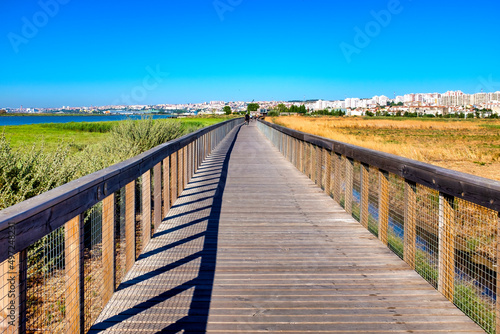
77	134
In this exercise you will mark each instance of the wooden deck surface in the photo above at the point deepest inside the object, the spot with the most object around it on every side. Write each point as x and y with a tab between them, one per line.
253	246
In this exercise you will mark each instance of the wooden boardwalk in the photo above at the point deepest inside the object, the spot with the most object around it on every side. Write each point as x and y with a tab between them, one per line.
252	246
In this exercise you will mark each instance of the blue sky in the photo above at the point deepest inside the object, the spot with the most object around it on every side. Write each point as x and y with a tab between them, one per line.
82	53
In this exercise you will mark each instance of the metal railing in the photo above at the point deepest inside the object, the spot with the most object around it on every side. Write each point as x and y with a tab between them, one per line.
65	252
442	223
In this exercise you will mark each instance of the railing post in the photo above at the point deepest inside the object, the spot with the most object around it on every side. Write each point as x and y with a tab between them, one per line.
11	300
365	192
349	170
337	158
328	172
308	162
383	205
173	169
190	162
73	257
185	167
497	304
108	248
157	196
130	255
180	172
146	208
314	164
23	289
446	277
301	156
410	208
166	186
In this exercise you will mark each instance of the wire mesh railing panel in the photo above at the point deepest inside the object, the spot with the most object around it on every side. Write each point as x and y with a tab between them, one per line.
395	229
316	165
307	160
476	262
45	297
373	200
427	234
93	269
342	180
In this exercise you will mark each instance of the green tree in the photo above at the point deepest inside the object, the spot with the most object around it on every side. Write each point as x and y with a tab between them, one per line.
227	110
281	108
3	111
253	107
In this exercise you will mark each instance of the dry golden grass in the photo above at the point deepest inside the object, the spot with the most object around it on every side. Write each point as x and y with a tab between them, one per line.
470	146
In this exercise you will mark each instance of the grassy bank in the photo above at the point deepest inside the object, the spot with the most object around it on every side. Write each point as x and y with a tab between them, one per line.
37	158
470	146
78	135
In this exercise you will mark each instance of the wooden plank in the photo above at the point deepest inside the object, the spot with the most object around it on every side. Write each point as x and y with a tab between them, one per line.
410	206
146	208
73	259
157	197
174	178
166	186
497	304
130	245
108	248
9	293
383	206
180	171
185	167
22	290
328	173
336	177
446	260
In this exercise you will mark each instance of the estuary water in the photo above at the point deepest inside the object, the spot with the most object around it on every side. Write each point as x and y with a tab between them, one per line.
22	120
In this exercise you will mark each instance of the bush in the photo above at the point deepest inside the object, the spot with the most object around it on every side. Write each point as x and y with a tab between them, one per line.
24	174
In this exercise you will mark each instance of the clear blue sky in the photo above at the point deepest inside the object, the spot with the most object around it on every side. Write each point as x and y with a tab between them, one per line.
83	53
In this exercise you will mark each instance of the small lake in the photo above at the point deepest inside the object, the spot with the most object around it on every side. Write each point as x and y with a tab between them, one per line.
22	120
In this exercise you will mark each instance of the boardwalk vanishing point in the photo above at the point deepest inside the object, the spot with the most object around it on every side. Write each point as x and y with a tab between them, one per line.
253	246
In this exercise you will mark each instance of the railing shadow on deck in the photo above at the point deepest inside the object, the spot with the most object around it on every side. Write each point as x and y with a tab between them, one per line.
69	249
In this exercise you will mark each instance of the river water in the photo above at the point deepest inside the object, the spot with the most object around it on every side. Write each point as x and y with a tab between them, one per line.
22	120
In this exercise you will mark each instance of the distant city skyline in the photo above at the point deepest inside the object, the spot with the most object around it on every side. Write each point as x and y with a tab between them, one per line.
448	98
63	52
